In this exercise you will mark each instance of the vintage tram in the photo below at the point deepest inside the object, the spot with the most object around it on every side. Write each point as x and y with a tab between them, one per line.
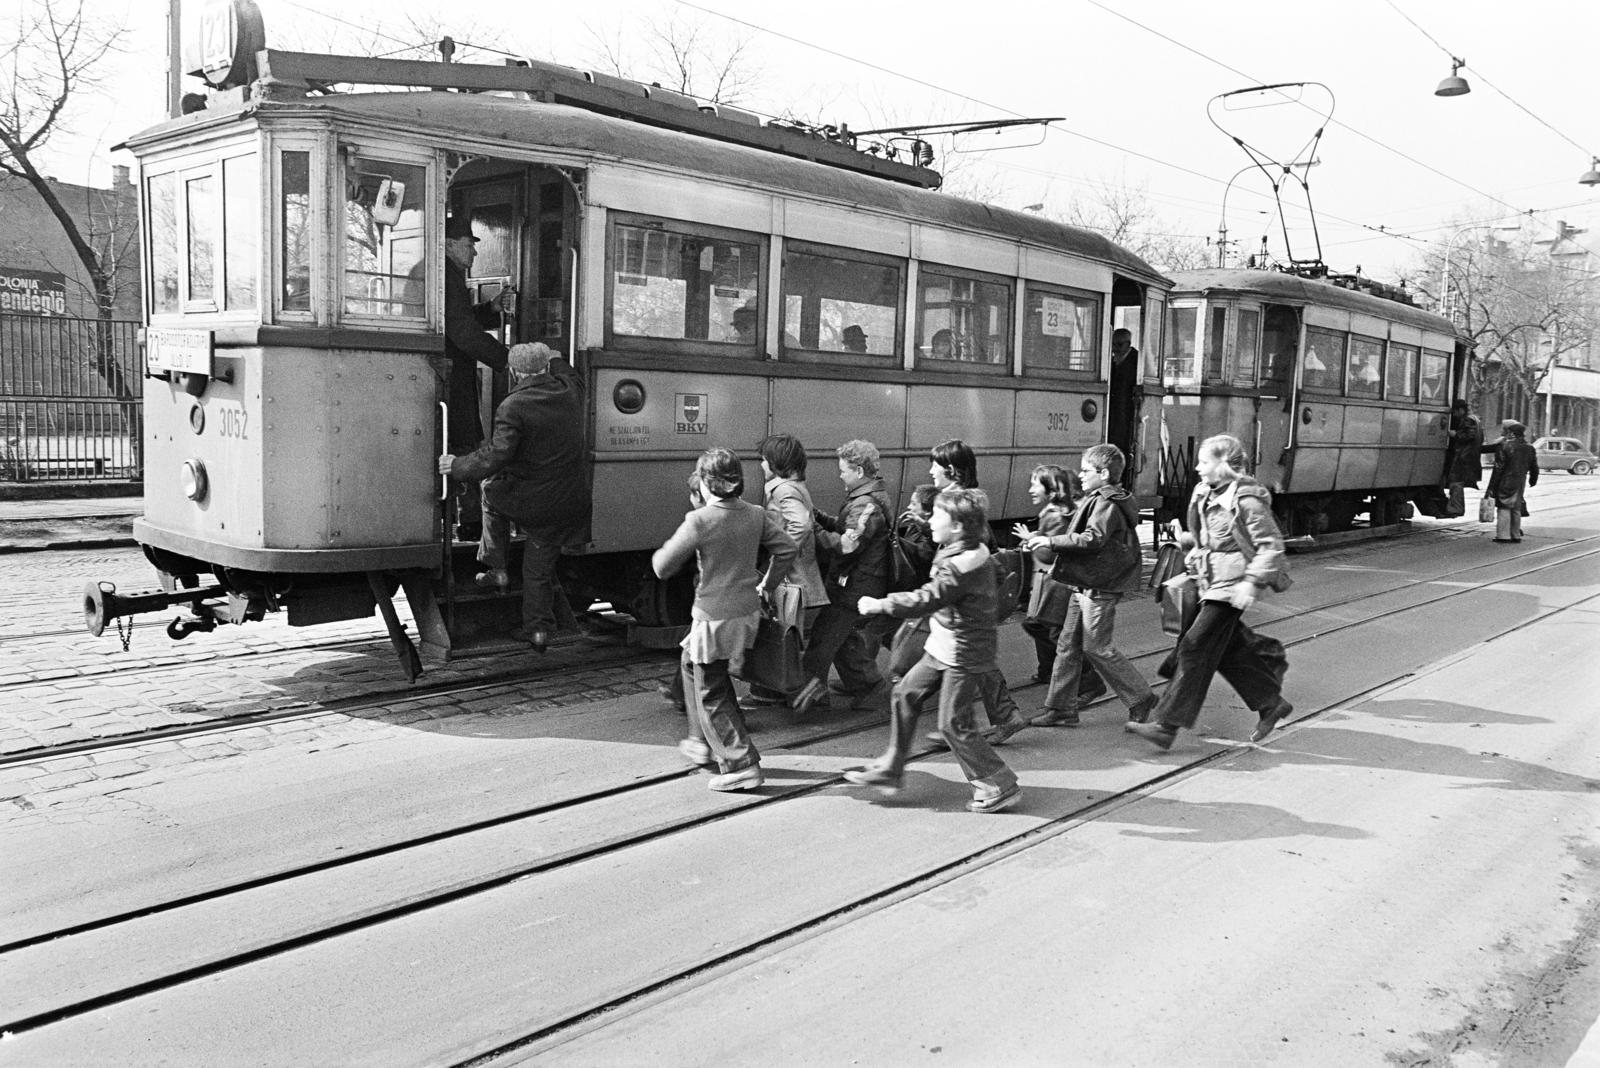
1338	386
713	278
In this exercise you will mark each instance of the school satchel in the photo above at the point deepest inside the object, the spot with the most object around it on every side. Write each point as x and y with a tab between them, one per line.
774	660
1048	600
1486	509
903	573
1180	603
1169	564
1008	584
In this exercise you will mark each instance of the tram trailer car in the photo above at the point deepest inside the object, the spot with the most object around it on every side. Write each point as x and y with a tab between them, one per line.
1340	391
294	249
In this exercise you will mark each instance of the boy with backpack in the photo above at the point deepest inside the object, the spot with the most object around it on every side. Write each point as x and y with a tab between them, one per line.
1098	557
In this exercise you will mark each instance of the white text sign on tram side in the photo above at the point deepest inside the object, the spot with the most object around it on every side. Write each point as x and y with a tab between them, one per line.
167	349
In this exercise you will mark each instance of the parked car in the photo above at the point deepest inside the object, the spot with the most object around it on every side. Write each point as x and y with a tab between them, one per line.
1565	454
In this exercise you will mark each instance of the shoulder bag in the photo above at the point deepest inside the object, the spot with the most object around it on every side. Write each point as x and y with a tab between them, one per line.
774	660
1179	598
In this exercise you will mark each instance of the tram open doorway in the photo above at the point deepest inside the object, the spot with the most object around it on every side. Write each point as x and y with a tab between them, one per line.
525	218
1125	386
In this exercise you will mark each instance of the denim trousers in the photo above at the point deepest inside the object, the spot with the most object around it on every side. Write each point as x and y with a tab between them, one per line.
837	639
957	691
1218	642
540	586
1086	635
714	715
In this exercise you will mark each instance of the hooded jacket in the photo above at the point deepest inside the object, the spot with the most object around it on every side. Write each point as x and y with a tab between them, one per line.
961	596
1104	515
1216	517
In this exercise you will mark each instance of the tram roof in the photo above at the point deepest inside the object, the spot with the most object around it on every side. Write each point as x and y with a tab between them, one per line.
1292	289
463	117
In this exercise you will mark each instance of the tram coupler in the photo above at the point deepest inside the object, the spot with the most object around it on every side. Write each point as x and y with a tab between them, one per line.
102	603
181	627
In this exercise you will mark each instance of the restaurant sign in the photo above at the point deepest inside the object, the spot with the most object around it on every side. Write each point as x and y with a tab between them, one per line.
32	292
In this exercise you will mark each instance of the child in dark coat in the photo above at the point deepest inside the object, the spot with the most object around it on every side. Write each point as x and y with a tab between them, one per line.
960	596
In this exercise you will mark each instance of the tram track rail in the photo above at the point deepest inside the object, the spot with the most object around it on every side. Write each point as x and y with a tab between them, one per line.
945	870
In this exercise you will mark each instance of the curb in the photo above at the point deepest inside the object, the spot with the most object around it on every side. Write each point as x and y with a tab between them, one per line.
66	546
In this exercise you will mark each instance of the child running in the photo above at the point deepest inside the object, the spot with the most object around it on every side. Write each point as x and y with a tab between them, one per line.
725	537
960	596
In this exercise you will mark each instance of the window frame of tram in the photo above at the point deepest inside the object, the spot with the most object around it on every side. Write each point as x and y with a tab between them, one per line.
202	235
1246	349
715	318
1441	375
829	316
1173	358
966	281
1364	367
1406	390
380	183
1042	352
297	242
1330	376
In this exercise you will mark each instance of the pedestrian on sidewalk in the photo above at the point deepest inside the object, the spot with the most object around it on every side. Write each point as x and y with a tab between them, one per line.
1099	561
725	537
960	596
1516	467
1235	552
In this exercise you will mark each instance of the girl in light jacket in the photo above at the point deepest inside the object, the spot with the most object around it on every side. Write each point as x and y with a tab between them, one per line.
1235	551
726	537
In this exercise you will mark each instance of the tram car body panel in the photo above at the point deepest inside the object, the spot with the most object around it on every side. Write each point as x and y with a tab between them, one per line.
303	239
1341	396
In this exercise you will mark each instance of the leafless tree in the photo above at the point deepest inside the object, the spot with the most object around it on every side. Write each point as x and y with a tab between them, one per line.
681	53
52	63
1123	213
1523	307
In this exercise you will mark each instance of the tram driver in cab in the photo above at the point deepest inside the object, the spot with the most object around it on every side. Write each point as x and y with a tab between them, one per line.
467	344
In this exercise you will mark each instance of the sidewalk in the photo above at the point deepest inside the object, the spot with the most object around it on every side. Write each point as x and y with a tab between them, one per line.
68	523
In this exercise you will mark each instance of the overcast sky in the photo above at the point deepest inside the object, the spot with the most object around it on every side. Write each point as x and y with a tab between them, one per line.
1131	82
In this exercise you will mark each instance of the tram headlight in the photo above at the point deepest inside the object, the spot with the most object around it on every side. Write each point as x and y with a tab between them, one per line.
1089	410
628	397
193	480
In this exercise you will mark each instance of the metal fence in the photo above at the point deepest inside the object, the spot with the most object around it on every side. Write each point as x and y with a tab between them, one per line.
71	399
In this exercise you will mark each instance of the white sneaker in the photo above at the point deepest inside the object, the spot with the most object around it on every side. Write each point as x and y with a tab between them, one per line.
744	779
696	752
495	578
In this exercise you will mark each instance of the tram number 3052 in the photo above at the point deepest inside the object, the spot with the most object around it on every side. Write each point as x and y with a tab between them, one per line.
1054	421
232	422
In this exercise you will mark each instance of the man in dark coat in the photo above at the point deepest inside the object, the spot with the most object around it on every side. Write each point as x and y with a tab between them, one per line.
535	464
1465	466
1516	467
1123	404
466	345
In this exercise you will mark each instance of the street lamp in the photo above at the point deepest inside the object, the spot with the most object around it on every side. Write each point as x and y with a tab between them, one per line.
1455	85
1445	308
1591	177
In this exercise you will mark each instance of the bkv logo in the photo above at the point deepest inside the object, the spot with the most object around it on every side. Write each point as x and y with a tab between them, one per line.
692	413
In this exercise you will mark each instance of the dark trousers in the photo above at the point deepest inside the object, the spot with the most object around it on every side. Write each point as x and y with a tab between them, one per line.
1218	642
714	715
837	640
957	692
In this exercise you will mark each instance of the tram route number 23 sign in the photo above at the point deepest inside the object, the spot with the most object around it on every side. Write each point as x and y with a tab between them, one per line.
692	413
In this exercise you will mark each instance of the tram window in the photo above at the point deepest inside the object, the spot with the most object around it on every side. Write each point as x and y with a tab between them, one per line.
684	286
1245	346
963	319
834	302
1060	331
1435	375
164	242
1324	361
295	216
1400	375
241	216
200	215
383	238
1217	344
1366	366
1179	357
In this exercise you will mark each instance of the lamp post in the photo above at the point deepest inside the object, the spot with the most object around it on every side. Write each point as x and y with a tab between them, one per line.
1446	308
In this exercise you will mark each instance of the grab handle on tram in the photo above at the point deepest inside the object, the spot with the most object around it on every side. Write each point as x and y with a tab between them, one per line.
444	436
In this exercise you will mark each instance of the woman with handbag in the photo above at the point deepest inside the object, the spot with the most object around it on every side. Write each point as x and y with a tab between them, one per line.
803	593
1235	551
725	537
1516	467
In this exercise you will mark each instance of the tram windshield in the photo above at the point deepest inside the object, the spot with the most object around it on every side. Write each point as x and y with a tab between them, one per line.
384	247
